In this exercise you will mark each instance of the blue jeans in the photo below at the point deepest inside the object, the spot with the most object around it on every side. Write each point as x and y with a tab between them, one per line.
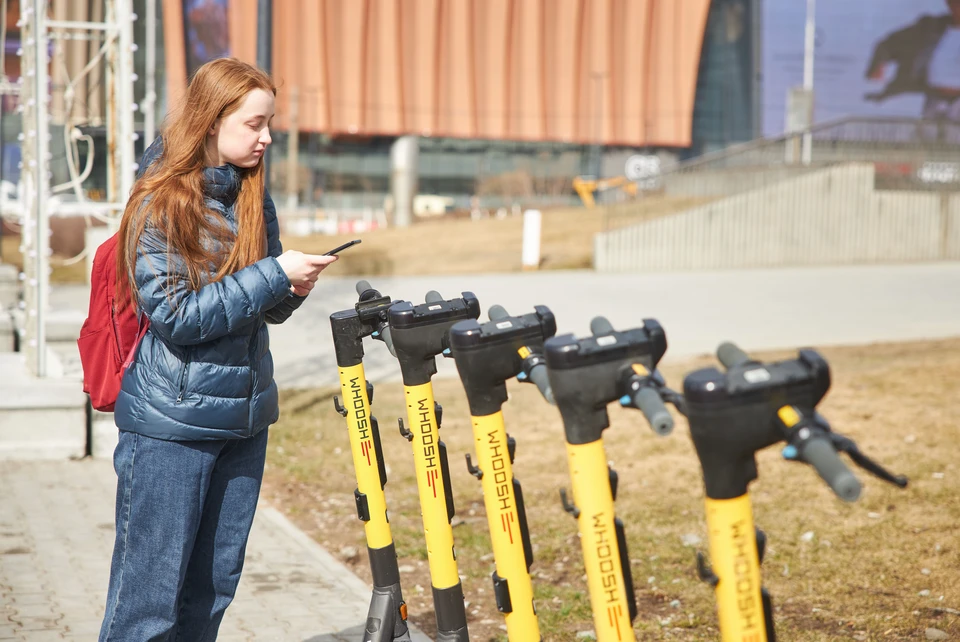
184	512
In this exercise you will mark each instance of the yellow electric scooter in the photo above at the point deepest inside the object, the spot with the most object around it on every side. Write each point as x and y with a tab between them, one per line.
733	415
419	334
387	615
487	355
585	375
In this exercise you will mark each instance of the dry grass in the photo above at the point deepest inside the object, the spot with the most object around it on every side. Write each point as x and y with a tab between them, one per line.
457	245
859	578
448	246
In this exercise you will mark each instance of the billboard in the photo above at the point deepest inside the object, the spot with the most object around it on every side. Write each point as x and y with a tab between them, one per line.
872	58
206	32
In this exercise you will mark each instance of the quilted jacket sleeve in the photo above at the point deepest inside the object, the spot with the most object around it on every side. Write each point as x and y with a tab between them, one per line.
183	316
282	311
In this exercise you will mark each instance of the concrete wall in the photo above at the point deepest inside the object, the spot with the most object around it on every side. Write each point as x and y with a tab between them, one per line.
831	216
727	182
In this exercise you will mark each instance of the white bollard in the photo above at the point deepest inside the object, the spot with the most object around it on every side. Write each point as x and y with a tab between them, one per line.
531	239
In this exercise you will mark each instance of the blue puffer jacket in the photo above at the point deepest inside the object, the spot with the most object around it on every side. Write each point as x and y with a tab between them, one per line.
204	369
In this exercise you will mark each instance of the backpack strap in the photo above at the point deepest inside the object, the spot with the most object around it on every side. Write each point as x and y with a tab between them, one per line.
143	324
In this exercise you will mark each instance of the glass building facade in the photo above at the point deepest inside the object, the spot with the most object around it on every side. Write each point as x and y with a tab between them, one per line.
726	107
354	172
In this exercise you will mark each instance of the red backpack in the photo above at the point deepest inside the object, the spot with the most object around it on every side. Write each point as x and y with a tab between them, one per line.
109	336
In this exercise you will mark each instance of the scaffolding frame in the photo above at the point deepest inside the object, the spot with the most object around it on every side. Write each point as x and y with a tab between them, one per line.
36	206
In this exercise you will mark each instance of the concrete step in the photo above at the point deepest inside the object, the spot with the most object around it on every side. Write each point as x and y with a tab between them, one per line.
40	418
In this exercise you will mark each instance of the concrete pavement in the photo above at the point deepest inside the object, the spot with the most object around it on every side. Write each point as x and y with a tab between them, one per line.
758	309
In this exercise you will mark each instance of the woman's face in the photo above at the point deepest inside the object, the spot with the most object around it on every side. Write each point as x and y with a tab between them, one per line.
241	137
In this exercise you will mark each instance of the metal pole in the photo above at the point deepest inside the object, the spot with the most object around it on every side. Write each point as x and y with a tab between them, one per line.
126	129
150	98
265	60
41	244
293	152
808	58
111	111
598	122
5	84
756	13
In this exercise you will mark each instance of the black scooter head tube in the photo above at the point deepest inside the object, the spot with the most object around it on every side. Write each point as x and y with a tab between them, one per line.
487	355
419	334
387	614
585	375
732	415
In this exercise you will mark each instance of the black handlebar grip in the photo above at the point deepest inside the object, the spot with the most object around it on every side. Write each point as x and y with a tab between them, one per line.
600	326
388	339
433	297
497	312
819	453
363	286
651	405
731	356
539	376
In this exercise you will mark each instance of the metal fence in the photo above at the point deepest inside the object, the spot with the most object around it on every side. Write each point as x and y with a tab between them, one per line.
875	190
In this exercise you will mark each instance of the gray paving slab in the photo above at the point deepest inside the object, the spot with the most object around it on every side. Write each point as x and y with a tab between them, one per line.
56	536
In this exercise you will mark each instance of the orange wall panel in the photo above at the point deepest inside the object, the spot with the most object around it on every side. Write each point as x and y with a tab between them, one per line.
591	71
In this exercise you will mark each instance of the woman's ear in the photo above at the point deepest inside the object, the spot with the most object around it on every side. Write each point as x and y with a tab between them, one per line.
213	128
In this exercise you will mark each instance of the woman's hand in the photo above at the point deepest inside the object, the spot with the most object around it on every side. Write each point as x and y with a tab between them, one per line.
303	290
303	269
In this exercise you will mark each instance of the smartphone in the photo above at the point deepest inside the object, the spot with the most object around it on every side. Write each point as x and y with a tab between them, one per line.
342	247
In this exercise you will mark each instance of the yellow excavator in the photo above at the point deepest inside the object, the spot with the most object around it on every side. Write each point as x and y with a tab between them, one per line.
588	186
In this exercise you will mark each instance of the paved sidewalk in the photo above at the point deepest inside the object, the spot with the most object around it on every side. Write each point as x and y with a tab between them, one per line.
56	537
759	309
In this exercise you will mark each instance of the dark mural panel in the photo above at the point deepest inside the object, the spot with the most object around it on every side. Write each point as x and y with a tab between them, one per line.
873	58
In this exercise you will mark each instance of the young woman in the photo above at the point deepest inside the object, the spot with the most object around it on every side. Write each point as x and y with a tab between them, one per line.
199	255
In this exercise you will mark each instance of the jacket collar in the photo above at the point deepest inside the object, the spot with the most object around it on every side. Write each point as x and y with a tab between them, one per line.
222	183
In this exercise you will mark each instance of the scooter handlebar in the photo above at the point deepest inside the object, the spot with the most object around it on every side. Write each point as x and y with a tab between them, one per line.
497	312
384	330
820	453
363	286
600	326
648	400
388	339
731	356
539	376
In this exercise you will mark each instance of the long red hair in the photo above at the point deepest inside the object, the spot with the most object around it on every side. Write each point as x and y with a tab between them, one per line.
169	195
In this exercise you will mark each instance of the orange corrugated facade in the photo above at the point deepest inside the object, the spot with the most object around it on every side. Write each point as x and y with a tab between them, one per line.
616	72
